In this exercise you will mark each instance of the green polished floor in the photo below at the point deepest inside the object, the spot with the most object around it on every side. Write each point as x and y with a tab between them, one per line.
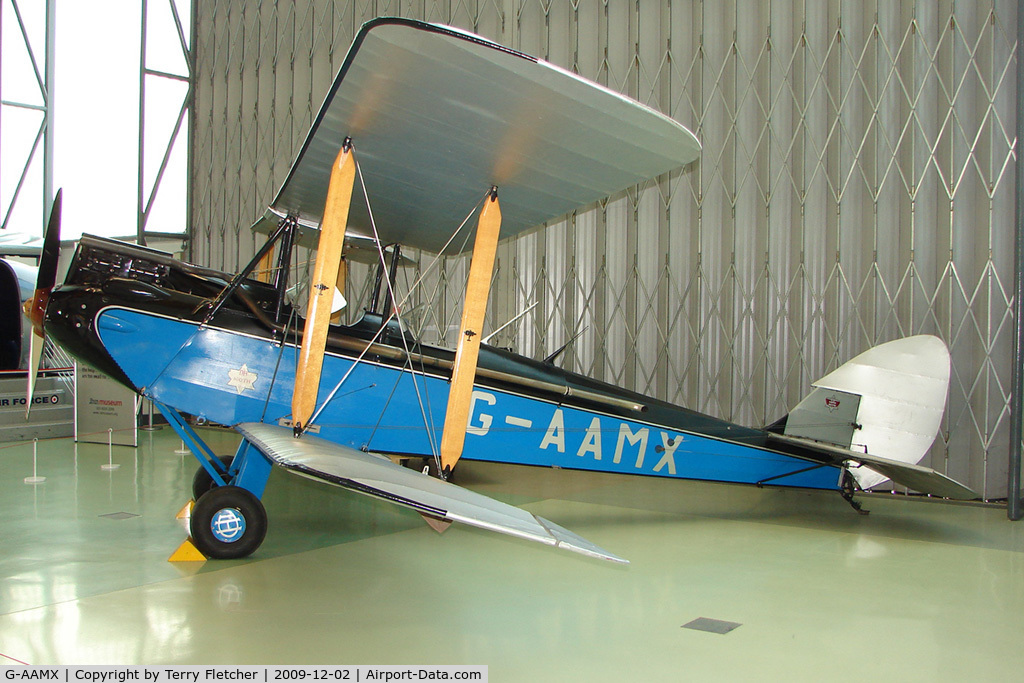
916	591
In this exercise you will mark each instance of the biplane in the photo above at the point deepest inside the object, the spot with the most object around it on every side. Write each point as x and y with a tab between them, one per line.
440	140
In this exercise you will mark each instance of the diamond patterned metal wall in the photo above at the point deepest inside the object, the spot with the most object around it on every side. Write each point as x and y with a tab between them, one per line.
856	186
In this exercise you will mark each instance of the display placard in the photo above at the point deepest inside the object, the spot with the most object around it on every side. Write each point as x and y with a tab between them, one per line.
104	409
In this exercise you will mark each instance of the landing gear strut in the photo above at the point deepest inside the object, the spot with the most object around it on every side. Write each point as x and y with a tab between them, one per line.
228	521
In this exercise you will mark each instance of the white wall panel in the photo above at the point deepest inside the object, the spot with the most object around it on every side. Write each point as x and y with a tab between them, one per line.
856	185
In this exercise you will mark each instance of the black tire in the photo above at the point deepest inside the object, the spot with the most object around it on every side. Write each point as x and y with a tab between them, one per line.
203	482
228	522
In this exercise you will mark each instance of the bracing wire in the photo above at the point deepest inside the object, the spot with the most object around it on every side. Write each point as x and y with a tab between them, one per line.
277	365
396	307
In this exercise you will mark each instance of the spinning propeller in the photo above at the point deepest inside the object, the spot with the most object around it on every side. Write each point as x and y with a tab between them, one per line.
35	308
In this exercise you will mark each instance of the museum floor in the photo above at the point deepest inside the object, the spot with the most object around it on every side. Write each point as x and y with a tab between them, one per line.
918	590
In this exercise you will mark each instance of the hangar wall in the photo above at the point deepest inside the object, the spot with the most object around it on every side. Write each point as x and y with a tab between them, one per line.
856	185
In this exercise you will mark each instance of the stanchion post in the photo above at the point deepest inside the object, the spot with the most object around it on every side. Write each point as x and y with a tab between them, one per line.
35	478
149	426
110	452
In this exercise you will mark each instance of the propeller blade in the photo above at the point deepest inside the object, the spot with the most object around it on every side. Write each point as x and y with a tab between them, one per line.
47	276
322	286
35	308
35	355
467	351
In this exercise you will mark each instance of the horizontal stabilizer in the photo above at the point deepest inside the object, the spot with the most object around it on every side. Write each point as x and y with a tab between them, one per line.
916	477
377	476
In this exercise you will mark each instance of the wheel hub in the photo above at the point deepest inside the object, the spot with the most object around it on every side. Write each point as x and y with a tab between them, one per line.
227	525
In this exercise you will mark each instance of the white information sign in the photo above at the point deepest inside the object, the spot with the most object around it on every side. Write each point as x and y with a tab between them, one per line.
104	409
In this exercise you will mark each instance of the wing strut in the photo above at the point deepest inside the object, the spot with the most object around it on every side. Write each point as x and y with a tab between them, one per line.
467	351
321	290
265	268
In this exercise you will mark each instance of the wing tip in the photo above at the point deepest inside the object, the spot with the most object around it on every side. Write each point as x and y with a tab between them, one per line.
563	538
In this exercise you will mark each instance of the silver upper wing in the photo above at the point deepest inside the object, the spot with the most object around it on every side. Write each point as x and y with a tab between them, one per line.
377	476
438	115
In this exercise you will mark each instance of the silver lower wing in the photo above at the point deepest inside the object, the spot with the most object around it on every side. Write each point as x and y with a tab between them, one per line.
376	476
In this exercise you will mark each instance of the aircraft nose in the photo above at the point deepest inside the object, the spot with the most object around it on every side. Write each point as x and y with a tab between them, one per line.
35	309
70	321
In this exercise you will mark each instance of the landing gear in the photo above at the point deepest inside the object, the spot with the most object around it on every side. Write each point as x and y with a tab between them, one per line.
228	523
203	482
847	489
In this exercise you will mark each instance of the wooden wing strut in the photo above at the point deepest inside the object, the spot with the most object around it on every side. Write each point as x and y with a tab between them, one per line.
321	289
467	351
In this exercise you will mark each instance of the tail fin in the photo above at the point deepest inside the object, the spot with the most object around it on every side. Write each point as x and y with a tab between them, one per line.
887	402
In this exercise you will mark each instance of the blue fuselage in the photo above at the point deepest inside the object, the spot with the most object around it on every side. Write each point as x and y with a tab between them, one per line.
231	370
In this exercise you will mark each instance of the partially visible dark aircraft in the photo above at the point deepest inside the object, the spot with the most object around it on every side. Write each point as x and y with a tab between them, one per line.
17	282
445	124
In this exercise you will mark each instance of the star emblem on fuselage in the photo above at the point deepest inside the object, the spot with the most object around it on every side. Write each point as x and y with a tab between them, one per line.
242	379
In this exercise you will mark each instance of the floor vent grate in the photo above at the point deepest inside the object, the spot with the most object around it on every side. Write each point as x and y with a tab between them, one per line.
712	625
119	515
